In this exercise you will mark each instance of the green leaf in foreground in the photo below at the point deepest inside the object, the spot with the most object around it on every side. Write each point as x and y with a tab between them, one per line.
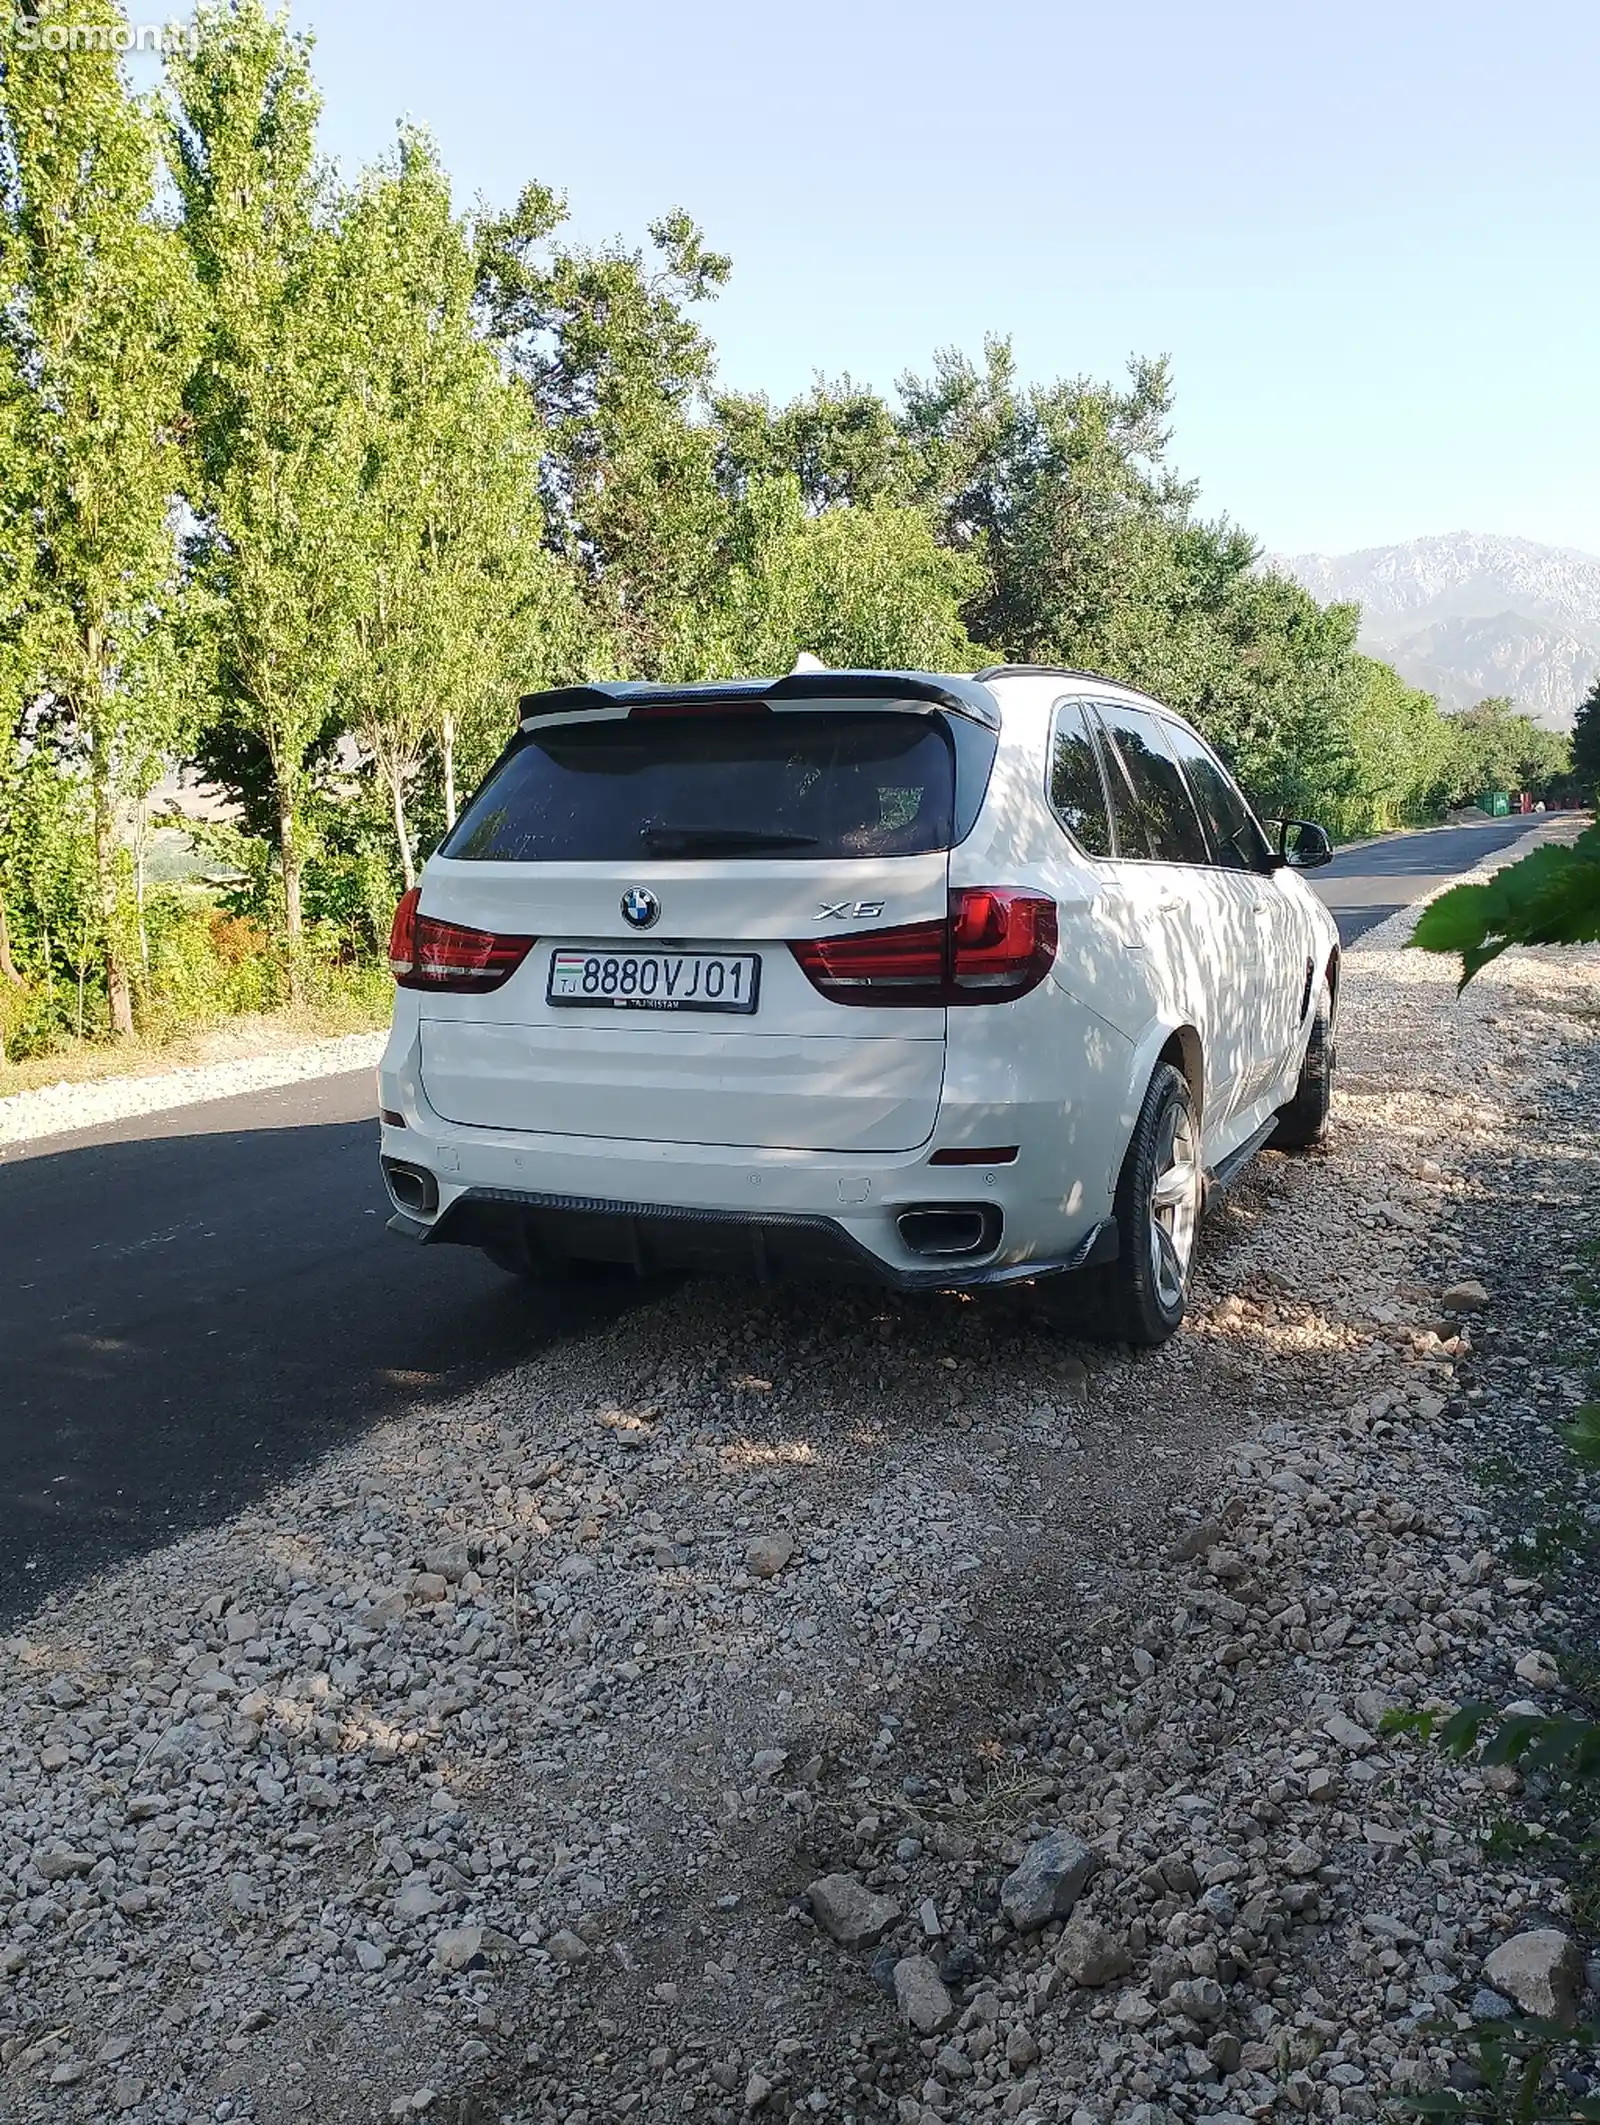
1552	896
1583	1435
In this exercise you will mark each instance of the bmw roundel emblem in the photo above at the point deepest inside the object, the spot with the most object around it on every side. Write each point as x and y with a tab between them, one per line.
640	907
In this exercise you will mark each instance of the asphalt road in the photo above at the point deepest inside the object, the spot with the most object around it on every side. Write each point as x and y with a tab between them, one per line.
1367	884
194	1303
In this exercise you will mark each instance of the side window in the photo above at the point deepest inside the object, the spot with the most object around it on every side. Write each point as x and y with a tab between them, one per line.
1127	816
1167	812
1236	834
1077	794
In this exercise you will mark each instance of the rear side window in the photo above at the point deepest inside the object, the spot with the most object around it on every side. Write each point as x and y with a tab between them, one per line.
1167	823
1237	840
1077	793
741	783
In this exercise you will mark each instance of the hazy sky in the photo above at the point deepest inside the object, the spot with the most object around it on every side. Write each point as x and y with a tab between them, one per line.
1365	233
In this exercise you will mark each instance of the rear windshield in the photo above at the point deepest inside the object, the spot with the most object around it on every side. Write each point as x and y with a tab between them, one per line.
752	785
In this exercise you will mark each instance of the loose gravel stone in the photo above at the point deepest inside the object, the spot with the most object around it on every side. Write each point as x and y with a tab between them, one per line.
921	1996
852	1915
1048	1881
1092	1955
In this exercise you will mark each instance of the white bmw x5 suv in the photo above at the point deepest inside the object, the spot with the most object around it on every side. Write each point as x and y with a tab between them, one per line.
930	981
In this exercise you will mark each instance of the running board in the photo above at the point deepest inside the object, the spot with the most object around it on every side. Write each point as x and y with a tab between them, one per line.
1227	1170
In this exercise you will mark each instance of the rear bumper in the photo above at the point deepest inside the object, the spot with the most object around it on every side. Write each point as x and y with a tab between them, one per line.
775	1211
528	1226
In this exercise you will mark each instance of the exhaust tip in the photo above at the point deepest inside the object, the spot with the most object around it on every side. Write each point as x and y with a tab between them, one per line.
411	1188
948	1231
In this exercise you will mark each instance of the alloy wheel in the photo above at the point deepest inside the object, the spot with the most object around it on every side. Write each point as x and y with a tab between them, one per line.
1174	1205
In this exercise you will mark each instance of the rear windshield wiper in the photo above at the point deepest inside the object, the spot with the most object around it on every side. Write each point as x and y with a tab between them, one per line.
681	840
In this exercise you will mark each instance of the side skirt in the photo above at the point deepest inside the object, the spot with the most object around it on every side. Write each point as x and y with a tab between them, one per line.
1227	1170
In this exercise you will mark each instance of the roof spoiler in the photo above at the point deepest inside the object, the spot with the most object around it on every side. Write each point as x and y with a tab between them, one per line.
962	697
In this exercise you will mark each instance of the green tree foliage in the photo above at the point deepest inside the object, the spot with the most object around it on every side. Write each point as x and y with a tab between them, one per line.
865	586
618	373
1059	491
452	577
1496	748
1400	752
1586	744
96	314
840	441
273	442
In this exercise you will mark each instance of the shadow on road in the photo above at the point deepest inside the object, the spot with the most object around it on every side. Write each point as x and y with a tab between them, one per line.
187	1318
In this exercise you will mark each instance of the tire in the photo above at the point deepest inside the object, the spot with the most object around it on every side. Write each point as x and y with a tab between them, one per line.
1304	1120
1139	1298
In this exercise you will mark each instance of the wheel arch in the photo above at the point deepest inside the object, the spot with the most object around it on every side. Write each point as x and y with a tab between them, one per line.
1331	975
1180	1045
1184	1050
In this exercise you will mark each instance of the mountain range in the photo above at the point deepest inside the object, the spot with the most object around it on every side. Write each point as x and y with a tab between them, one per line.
1467	614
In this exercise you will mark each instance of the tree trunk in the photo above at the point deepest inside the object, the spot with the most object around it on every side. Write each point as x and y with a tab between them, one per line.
407	862
289	863
141	838
447	743
119	996
8	971
8	966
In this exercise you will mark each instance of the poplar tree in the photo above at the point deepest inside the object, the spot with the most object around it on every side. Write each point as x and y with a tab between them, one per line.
96	315
270	409
18	555
619	374
449	560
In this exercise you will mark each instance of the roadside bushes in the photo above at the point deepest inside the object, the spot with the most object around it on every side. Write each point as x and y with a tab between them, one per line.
194	963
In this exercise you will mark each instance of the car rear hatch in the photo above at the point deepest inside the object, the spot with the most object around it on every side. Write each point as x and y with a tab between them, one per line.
685	861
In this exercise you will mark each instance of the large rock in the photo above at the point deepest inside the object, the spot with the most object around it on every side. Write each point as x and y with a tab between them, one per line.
1053	1874
919	1993
767	1555
457	1947
853	1916
1538	1669
1344	1730
1542	1971
1468	1296
1202	1999
1090	1955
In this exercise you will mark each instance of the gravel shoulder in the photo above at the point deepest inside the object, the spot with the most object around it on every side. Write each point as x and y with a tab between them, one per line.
851	1707
54	1110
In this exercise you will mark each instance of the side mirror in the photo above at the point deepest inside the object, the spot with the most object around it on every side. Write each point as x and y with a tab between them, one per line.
1303	845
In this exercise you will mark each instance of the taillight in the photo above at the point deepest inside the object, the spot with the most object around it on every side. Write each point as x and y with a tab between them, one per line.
904	966
403	934
425	953
996	944
1003	943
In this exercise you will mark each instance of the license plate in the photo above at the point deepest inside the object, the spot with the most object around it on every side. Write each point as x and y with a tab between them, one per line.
654	981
